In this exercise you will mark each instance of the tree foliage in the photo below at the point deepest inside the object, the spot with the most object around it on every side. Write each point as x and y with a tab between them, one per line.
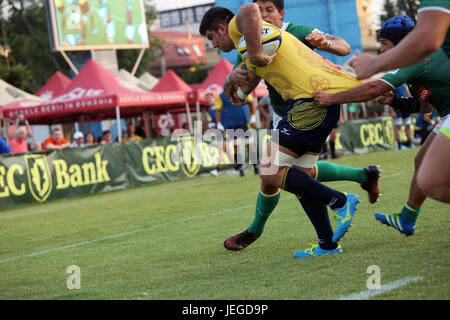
27	36
394	8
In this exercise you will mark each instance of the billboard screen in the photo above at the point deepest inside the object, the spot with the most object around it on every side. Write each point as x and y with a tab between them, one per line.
97	24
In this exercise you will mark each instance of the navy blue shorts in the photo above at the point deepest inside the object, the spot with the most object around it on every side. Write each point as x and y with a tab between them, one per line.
306	126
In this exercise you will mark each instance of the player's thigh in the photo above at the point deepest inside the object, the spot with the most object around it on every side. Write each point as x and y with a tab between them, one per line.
434	172
423	150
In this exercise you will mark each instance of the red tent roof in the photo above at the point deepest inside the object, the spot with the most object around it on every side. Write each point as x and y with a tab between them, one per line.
170	81
217	76
97	90
54	86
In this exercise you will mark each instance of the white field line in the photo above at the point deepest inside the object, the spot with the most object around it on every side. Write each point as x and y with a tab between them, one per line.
384	288
119	235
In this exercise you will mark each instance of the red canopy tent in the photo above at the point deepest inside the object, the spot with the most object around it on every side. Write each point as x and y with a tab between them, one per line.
213	82
96	94
170	81
54	86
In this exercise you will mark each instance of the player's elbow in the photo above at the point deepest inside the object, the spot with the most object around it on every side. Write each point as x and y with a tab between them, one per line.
430	45
245	12
375	89
346	50
248	8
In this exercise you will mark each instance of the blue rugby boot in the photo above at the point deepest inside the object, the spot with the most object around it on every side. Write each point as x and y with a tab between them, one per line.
344	216
396	221
315	250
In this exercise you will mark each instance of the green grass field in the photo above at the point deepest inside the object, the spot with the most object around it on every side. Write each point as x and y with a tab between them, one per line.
165	242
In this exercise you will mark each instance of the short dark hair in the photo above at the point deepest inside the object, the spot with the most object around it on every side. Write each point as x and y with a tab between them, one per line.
279	4
213	17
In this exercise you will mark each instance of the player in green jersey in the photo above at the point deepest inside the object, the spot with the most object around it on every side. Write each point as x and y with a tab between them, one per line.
428	82
431	33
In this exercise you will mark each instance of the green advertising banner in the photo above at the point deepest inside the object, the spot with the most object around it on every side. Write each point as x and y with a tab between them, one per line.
365	135
41	177
161	159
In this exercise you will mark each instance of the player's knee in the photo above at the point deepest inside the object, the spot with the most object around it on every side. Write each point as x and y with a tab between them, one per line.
271	174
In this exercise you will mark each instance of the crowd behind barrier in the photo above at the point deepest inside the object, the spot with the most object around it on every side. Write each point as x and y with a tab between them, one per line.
60	173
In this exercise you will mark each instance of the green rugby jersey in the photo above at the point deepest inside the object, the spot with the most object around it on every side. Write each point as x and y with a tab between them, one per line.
429	81
439	5
300	32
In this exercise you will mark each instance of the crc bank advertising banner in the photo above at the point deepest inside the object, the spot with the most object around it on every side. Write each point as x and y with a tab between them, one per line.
42	177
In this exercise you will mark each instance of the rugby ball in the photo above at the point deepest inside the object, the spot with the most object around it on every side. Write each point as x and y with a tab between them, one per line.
271	41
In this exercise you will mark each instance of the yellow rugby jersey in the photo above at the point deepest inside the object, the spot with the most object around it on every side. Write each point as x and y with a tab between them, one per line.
297	71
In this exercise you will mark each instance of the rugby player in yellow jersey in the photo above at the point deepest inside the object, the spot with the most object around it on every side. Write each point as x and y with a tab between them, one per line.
295	72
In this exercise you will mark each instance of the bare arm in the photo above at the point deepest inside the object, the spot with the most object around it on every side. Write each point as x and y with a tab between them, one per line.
249	23
247	84
365	92
426	37
236	78
329	43
253	106
218	116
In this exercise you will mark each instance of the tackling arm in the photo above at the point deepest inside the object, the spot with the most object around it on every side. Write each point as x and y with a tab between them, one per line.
329	43
427	37
362	93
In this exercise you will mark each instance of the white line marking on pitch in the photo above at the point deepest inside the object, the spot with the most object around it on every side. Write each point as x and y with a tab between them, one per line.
119	235
384	288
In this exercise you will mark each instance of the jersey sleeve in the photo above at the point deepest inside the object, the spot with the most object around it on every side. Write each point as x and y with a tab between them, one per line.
301	31
439	5
233	32
396	78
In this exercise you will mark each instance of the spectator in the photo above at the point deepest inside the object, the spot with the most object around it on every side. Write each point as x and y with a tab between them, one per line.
4	148
78	138
353	111
401	119
106	137
90	139
35	146
131	133
20	122
140	130
265	110
425	123
55	141
19	143
273	117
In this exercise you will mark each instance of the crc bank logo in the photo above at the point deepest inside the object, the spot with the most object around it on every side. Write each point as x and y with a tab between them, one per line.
40	176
